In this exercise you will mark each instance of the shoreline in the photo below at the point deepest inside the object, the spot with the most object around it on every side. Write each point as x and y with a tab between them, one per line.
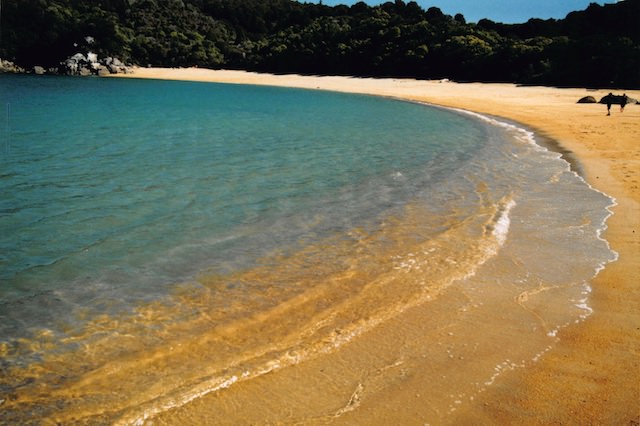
592	375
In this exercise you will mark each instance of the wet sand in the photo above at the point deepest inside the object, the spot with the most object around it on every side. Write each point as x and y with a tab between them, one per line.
590	375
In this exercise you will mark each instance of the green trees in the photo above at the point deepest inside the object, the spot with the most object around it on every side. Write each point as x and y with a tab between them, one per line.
595	47
174	33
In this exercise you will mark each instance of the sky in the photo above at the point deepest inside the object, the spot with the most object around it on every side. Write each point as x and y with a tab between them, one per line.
505	11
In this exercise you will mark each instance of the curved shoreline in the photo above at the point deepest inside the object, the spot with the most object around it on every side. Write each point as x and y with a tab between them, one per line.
592	374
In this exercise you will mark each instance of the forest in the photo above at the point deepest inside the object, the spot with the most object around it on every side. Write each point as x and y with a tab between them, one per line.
595	47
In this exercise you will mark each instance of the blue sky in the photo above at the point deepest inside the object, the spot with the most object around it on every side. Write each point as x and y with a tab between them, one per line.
505	11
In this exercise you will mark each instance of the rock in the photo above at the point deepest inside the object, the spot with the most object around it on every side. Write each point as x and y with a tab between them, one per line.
78	65
587	100
116	66
78	57
84	71
91	64
69	68
72	64
8	66
104	71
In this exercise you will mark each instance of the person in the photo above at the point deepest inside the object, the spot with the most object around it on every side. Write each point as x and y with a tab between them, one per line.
609	101
623	102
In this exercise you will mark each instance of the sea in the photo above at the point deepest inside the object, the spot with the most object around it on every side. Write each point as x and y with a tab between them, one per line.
164	241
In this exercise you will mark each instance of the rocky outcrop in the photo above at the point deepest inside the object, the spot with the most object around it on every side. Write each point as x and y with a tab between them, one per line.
78	64
9	67
90	64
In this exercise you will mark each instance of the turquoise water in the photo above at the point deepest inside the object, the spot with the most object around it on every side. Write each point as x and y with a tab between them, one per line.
145	183
117	195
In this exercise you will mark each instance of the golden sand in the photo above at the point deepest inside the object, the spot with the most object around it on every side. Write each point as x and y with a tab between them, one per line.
592	374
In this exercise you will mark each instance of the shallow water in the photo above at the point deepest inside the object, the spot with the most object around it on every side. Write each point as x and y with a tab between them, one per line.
163	241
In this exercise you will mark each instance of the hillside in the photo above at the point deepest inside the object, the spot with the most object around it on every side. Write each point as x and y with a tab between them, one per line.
599	46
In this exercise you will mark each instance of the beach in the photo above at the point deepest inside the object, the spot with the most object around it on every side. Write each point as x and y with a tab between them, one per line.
590	375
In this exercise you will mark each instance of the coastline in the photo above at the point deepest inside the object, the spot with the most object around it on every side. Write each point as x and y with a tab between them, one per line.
592	374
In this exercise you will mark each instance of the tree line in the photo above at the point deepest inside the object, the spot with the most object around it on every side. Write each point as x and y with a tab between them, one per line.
596	47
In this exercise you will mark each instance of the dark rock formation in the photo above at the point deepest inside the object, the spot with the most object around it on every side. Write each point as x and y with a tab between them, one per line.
587	100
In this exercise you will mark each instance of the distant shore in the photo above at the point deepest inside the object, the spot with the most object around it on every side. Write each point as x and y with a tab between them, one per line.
592	376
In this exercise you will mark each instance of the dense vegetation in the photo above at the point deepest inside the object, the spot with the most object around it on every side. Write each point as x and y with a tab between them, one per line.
599	46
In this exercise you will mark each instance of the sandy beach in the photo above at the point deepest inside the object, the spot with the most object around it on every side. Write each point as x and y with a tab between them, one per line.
592	373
